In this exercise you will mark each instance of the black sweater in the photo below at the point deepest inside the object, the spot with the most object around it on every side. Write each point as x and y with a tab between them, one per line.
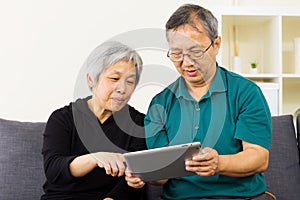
73	131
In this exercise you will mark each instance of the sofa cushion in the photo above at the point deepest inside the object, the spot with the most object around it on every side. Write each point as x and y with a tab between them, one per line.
21	162
283	174
154	192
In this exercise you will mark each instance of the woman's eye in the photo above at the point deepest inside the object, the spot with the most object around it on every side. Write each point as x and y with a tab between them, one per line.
114	78
130	82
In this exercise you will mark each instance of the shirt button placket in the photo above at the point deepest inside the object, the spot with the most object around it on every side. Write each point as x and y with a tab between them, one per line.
197	114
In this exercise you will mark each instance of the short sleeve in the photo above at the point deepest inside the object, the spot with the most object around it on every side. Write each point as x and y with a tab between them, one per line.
156	135
254	124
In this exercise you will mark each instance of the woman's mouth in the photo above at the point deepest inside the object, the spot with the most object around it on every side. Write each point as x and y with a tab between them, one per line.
118	100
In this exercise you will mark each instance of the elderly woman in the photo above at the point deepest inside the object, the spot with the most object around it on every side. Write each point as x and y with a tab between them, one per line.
84	141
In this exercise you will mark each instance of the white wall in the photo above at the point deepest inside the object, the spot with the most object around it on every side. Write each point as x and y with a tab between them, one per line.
43	45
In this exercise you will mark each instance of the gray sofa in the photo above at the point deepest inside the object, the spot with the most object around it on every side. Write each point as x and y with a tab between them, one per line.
21	162
298	132
22	175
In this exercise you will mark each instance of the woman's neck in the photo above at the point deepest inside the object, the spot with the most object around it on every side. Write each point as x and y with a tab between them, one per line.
98	111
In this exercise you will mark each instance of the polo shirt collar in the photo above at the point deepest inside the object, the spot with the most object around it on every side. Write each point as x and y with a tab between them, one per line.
182	91
218	85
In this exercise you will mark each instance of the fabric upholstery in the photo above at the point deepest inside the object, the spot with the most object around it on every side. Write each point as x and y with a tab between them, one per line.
298	132
154	192
21	164
22	175
283	174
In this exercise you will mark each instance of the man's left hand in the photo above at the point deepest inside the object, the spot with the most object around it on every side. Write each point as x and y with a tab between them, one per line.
205	163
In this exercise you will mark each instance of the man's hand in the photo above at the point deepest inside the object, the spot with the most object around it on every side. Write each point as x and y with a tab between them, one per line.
205	163
251	160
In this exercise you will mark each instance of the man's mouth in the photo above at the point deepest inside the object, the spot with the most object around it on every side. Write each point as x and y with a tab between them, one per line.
192	72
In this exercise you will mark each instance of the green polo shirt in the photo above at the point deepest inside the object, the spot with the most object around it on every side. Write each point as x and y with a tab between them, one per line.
233	109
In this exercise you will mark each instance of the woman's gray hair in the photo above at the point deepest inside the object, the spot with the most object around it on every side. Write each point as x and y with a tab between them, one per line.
188	14
109	53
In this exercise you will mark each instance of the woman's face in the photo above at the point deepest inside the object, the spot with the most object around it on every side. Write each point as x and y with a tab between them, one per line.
115	86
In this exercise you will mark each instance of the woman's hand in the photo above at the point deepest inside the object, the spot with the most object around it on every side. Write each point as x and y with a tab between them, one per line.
113	163
133	181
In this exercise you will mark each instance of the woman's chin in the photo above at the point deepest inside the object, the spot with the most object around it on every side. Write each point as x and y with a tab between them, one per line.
117	107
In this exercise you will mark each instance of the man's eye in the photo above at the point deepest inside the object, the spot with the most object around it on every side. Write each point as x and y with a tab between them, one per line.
196	52
175	54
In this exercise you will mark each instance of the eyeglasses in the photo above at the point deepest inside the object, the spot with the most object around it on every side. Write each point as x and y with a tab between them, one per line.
193	54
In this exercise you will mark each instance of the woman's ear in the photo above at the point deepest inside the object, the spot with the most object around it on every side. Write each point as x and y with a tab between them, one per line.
90	81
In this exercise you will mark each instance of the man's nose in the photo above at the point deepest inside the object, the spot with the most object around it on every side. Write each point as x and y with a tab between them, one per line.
187	61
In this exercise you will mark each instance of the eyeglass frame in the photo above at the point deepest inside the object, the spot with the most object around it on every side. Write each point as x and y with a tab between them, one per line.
186	54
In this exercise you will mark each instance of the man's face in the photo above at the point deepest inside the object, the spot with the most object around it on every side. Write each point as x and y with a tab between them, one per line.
198	65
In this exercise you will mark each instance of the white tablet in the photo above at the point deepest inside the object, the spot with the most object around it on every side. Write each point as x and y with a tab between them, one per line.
161	163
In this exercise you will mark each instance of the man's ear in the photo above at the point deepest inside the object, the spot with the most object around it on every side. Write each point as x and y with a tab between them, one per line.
90	81
217	41
217	44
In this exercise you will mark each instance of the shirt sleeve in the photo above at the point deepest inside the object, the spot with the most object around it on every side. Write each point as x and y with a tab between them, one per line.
254	123
155	130
56	149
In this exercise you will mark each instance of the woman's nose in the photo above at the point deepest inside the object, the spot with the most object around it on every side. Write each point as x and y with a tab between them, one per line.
121	88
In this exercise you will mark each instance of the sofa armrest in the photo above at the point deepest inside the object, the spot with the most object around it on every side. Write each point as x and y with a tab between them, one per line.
298	132
283	173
